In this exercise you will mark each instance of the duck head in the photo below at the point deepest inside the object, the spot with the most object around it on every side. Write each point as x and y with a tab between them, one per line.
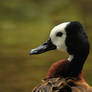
72	38
56	40
68	36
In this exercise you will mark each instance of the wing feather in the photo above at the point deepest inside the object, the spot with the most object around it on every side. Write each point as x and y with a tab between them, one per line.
62	85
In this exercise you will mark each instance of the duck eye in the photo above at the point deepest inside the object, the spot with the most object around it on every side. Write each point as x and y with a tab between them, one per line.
59	34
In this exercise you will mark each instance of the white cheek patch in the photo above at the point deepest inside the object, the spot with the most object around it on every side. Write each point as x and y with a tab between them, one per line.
59	41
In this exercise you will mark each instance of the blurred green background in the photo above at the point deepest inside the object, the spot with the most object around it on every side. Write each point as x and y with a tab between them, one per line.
25	24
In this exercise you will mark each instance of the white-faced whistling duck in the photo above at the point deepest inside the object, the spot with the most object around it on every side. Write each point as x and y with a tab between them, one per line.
66	75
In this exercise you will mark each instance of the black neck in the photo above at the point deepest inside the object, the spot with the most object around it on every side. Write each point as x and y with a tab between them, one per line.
76	65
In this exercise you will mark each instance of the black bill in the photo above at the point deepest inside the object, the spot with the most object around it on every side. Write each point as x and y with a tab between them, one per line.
48	45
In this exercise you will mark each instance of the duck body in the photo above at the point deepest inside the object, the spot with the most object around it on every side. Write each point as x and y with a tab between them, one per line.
61	68
66	75
60	84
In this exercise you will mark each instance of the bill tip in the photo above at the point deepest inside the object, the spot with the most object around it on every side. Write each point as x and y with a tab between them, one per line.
32	52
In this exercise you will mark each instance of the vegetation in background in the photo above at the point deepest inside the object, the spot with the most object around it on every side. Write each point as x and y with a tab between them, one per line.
25	24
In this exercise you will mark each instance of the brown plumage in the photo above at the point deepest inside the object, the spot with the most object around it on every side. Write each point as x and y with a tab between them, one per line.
60	68
62	84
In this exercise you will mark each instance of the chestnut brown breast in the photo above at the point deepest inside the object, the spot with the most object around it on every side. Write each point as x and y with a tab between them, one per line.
58	69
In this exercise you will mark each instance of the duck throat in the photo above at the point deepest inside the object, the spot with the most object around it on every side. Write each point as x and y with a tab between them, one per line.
76	65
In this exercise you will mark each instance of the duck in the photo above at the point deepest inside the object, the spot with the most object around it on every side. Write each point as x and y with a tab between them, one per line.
65	75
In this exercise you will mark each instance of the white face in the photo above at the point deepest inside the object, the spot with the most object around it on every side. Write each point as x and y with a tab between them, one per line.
58	36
